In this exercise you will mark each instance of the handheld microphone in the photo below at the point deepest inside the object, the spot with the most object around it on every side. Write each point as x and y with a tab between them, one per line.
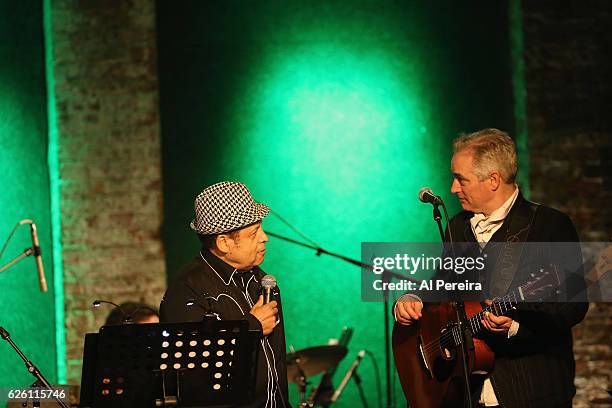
428	196
268	283
37	255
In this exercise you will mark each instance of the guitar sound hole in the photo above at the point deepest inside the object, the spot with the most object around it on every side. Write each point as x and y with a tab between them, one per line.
447	346
444	362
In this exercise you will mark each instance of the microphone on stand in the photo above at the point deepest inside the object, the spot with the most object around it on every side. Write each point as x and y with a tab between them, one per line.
348	375
268	283
37	255
33	250
126	318
428	196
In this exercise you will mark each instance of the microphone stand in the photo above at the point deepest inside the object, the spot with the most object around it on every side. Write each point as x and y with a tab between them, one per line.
437	216
320	250
466	335
27	252
352	373
385	275
32	369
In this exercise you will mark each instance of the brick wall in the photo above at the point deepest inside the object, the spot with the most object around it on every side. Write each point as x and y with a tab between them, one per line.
107	103
111	199
569	83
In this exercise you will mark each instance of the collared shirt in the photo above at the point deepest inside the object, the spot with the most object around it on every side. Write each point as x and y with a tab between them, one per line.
483	228
211	286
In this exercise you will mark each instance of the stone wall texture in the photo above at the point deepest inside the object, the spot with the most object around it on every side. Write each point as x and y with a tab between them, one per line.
568	75
105	69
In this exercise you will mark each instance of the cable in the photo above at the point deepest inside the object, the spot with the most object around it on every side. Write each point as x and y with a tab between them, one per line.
378	385
19	224
297	231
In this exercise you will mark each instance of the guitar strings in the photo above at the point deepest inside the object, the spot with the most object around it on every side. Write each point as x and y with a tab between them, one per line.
448	336
445	339
475	320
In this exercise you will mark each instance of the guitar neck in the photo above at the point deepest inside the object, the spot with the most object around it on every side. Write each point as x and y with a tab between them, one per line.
538	288
498	307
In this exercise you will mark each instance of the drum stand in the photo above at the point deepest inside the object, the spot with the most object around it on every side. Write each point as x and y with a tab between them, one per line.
301	382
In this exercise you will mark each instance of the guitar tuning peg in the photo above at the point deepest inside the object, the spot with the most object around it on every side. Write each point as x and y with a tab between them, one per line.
558	292
532	275
541	270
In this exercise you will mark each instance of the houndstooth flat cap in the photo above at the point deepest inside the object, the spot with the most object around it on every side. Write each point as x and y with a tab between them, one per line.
225	207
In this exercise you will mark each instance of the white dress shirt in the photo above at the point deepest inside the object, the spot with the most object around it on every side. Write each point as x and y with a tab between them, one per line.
483	228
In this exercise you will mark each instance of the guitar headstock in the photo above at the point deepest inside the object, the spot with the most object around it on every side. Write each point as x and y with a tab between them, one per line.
541	285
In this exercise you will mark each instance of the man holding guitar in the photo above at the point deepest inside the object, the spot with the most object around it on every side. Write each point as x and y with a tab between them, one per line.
534	363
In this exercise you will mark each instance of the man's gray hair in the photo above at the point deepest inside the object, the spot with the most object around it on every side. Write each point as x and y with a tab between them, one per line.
493	150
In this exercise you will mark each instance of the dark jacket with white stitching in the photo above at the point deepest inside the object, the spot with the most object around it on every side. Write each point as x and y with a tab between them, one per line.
214	287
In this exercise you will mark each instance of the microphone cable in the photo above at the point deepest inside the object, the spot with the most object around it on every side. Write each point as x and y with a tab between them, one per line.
293	228
19	224
377	376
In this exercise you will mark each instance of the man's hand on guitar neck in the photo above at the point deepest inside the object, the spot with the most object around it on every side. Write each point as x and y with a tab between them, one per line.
497	324
408	309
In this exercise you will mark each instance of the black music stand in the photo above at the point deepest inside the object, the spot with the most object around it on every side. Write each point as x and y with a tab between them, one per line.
210	363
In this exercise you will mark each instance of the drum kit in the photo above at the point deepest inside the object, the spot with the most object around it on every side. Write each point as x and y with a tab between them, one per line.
311	361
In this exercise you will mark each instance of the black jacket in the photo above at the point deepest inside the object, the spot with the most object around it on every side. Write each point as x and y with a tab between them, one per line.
211	286
534	368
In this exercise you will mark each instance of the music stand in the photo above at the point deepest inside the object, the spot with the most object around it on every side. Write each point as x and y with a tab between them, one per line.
210	363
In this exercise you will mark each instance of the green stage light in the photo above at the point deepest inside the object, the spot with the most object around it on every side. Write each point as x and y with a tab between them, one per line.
335	137
335	114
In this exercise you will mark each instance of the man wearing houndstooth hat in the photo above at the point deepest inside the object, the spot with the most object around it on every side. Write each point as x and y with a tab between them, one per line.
224	280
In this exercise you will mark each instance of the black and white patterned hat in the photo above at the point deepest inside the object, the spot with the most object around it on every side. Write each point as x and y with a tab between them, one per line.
225	207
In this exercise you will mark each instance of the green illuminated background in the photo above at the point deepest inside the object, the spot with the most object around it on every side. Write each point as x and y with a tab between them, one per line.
335	114
26	313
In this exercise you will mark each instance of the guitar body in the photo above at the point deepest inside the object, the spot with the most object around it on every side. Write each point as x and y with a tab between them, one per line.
428	360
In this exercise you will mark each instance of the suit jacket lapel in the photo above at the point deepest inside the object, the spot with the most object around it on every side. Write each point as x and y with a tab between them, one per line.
509	245
513	227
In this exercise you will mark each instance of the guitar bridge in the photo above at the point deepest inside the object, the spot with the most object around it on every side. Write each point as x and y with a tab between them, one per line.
423	357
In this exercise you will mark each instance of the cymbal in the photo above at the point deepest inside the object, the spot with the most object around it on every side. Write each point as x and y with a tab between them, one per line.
313	360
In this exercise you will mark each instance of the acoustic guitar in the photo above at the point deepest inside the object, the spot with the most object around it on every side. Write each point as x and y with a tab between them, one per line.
428	352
